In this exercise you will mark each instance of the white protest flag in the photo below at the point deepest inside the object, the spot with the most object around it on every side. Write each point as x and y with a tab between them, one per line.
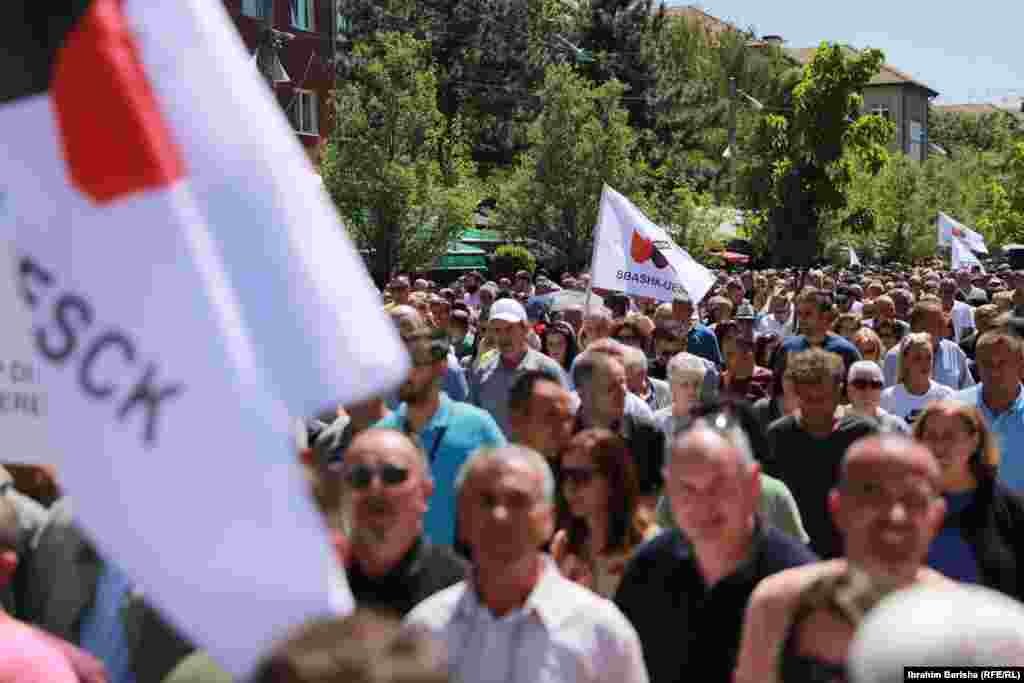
23	399
962	257
635	256
186	295
949	228
854	261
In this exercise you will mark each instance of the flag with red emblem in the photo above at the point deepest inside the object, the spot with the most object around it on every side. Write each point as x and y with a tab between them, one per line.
187	290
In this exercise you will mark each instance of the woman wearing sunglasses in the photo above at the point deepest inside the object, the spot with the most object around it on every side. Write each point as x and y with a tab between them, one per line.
600	520
864	388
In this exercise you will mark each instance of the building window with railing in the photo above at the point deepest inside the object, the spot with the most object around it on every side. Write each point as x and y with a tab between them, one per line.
882	111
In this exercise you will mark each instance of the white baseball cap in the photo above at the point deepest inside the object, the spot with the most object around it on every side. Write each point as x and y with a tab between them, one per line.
509	310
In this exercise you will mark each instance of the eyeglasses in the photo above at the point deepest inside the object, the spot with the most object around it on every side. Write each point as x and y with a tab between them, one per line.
866	384
578	476
361	476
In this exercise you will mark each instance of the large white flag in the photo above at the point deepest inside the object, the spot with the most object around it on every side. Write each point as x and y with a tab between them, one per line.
635	256
961	256
949	228
188	290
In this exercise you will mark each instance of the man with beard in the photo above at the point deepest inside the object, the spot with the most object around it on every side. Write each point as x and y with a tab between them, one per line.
472	284
385	486
888	507
490	383
448	431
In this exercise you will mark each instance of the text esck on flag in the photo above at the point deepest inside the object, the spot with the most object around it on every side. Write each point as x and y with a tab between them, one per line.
186	296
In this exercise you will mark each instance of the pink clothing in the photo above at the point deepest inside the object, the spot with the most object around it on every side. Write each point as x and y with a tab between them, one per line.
28	656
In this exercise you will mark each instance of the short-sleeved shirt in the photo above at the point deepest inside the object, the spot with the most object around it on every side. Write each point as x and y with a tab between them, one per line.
1009	427
684	625
810	466
448	438
949	366
490	383
702	342
897	401
833	343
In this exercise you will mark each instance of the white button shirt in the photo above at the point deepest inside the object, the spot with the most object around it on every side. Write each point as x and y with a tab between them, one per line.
564	634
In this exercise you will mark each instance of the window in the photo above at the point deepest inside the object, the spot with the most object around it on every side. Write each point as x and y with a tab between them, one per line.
882	111
917	136
304	112
302	14
254	8
344	24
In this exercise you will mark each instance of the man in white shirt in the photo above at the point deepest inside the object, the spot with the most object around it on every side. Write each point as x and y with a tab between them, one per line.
518	619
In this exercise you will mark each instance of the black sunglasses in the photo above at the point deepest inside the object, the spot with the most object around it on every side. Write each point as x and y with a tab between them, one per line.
866	384
361	476
577	476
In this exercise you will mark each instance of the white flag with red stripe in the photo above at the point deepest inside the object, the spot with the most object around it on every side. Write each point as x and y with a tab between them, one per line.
188	289
950	229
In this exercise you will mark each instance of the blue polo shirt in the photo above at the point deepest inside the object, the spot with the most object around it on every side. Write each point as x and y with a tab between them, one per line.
449	438
1009	426
702	342
833	343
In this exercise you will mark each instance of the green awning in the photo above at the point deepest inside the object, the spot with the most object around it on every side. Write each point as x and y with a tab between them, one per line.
482	236
461	257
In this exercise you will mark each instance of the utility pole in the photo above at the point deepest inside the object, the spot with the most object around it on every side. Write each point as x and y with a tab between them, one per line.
732	134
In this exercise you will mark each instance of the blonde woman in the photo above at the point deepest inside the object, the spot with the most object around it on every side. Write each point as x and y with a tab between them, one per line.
914	388
869	344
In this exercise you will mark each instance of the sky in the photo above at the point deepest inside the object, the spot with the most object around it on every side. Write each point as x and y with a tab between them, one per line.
971	52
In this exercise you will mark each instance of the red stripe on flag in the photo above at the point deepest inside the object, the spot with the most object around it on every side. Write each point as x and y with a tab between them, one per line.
115	140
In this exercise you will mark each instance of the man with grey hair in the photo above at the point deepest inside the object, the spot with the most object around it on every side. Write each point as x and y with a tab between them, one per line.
698	578
654	392
955	626
519	620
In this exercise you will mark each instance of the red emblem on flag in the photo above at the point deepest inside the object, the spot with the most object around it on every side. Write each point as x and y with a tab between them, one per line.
642	249
115	139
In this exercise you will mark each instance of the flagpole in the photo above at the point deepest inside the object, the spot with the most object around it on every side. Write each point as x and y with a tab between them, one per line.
593	251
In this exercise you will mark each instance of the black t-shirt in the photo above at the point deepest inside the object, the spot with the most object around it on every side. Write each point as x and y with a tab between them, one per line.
810	468
426	569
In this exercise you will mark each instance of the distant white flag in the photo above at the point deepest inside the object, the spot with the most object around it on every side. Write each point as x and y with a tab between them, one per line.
635	256
186	294
962	257
948	228
854	261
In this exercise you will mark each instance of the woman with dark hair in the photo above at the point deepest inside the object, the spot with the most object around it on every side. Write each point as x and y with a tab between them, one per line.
600	521
982	538
560	344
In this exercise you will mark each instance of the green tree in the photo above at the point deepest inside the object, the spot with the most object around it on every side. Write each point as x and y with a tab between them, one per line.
805	152
580	141
959	132
391	164
509	259
1003	219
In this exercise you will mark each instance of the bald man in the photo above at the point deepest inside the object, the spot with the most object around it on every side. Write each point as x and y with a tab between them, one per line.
887	507
968	626
385	486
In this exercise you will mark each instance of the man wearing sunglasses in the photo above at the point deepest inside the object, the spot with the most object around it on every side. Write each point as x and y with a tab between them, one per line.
385	487
447	430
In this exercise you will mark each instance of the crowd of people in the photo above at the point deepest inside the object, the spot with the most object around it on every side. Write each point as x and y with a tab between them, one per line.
576	485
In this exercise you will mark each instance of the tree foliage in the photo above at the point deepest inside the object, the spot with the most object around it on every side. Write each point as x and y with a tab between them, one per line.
509	259
580	141
1003	219
809	153
392	164
959	132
